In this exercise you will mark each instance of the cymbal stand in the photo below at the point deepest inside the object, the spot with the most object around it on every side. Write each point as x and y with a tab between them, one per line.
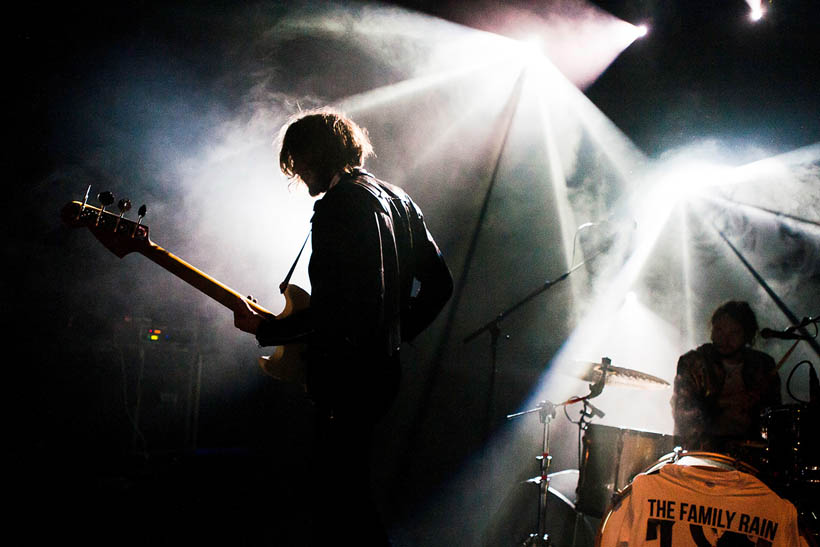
546	412
587	412
590	410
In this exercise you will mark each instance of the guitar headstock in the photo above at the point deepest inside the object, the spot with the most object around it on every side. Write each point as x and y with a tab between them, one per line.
118	234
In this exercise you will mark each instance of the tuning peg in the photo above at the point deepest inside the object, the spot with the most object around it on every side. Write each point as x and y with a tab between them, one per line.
140	214
105	199
124	206
81	210
85	199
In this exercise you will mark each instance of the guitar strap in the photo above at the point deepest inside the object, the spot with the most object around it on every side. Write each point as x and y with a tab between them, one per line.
283	285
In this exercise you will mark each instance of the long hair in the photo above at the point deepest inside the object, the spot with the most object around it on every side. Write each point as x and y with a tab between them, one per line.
325	141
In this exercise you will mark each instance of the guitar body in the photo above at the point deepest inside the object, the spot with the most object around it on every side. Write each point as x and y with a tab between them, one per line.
286	362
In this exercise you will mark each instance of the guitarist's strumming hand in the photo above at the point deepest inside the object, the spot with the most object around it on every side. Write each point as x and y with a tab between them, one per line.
245	318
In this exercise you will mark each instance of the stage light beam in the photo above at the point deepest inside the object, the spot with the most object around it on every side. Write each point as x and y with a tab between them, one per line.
756	11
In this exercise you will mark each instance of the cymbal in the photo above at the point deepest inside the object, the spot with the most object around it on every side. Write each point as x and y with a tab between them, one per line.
620	376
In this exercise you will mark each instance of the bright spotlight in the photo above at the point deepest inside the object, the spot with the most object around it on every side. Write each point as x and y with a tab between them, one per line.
641	31
756	10
532	47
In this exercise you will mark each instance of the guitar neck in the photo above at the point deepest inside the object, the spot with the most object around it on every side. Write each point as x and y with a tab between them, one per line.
122	236
198	279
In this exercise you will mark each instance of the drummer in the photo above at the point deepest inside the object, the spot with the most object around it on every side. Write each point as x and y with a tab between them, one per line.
722	387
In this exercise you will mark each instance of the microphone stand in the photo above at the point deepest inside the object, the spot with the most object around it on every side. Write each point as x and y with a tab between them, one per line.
494	328
791	333
546	412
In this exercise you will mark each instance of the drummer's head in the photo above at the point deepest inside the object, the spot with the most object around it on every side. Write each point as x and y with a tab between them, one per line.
734	326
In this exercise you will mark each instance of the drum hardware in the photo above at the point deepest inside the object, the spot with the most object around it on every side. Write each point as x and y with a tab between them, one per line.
791	454
627	452
798	332
611	457
567	477
546	412
600	374
791	458
624	377
494	325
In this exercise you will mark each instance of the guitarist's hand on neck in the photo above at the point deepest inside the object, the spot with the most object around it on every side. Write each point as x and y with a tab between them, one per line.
246	319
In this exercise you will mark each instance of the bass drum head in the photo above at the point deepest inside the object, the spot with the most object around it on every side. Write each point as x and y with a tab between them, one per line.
712	459
610	523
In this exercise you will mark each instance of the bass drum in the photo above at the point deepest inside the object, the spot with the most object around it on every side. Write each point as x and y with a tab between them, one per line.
611	522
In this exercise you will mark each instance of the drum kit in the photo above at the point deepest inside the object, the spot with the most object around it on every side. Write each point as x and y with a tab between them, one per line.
786	458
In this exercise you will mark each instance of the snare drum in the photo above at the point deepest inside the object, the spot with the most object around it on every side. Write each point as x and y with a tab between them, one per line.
611	458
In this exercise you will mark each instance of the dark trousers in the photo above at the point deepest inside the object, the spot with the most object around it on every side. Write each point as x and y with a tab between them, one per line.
352	394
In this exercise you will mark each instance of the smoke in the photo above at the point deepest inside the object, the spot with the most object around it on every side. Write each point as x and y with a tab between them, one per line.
183	116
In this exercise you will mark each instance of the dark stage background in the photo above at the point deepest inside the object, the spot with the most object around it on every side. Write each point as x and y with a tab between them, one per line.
117	438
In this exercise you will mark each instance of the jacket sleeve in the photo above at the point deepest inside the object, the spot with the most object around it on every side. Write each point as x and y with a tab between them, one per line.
772	396
294	328
689	399
434	278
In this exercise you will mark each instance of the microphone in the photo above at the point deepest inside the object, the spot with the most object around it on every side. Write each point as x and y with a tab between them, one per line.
781	334
789	333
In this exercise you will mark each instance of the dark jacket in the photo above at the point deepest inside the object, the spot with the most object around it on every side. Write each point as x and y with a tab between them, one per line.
698	385
370	249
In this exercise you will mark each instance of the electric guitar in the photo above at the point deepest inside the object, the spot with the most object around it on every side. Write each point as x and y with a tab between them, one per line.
122	236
